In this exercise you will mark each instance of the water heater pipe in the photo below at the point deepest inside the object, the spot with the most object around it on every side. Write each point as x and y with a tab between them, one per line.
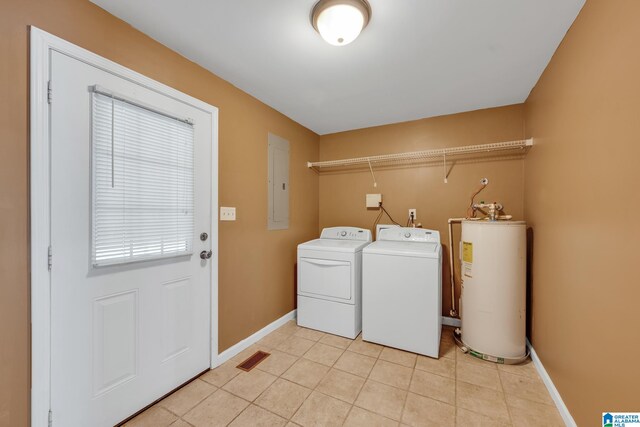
494	209
452	221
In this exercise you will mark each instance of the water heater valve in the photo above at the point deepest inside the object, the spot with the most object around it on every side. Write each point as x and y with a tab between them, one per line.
493	208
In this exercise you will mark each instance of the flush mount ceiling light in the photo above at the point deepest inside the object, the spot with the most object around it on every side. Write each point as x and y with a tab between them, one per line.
339	22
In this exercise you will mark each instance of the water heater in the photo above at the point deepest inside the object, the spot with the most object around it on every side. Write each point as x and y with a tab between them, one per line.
493	300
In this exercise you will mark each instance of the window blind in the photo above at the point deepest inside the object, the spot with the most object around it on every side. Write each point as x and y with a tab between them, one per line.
143	183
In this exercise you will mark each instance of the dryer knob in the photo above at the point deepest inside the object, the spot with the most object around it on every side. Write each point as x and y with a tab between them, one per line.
344	233
407	235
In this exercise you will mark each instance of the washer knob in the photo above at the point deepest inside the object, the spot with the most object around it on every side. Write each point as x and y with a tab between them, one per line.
344	233
407	235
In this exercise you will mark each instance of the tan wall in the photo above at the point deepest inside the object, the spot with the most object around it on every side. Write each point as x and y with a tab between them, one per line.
582	203
342	194
249	298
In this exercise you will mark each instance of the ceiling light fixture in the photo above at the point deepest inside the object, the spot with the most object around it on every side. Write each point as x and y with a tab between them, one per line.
339	22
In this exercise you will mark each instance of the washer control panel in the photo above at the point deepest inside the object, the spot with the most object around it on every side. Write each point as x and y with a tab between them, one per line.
409	234
346	233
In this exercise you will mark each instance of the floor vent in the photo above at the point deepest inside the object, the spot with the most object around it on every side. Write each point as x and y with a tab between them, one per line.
253	361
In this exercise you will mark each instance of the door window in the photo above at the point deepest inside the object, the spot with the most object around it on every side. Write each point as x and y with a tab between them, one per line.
142	182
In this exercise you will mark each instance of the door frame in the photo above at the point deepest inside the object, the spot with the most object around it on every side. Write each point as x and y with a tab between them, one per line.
41	46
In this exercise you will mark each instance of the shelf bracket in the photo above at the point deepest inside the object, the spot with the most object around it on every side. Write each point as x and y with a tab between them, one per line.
375	184
444	166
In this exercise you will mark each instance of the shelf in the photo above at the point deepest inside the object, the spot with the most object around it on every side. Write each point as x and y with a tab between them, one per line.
416	156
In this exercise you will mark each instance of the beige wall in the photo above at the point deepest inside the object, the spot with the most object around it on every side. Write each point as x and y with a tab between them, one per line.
256	276
582	201
342	194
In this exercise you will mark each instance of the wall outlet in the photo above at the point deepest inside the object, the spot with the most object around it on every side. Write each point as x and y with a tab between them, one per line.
227	214
414	212
374	200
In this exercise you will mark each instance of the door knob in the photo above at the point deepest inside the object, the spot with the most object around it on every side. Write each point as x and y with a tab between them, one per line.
206	254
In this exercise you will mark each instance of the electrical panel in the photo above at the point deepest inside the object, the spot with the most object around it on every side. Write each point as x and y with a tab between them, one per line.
278	183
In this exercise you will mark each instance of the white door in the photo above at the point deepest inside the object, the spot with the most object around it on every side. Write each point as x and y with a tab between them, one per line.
123	333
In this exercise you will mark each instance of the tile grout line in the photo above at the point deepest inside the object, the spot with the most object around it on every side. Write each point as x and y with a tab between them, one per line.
436	373
280	376
455	381
252	402
367	379
331	367
368	375
191	408
455	406
270	411
455	384
209	395
526	398
316	386
398	388
505	398
240	413
284	379
551	406
488	388
406	397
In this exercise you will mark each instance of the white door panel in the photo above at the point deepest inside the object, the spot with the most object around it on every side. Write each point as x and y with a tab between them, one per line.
121	336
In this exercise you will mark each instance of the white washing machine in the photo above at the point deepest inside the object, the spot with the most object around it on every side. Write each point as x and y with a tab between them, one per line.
330	281
402	290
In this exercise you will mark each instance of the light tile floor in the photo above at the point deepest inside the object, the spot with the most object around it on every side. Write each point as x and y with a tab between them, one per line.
317	379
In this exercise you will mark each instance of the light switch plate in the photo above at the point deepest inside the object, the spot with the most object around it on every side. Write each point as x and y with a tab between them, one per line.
374	200
227	214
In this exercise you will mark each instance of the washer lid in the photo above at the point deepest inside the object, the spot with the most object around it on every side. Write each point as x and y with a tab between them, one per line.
411	249
333	245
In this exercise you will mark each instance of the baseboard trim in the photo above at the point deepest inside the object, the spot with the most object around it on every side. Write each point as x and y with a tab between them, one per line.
252	339
451	321
553	391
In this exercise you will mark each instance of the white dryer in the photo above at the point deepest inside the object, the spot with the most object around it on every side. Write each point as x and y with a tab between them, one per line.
402	290
330	281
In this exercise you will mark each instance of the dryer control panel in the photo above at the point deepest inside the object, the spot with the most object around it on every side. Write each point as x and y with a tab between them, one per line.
346	233
410	234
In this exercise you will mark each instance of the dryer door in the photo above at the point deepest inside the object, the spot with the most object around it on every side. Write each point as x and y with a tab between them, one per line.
325	278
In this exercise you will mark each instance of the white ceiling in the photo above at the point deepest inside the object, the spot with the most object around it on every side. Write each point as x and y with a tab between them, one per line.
417	58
